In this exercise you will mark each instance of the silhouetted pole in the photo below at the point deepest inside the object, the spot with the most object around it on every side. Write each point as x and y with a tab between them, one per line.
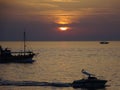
24	42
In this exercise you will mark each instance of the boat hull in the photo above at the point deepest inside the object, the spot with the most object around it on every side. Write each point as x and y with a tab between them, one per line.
17	59
89	83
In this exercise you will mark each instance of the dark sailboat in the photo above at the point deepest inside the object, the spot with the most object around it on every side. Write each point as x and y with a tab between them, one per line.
7	56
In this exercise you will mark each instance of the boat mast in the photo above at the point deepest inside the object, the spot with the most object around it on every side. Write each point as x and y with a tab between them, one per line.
24	43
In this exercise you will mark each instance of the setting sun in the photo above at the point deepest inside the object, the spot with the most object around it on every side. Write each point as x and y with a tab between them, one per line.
63	28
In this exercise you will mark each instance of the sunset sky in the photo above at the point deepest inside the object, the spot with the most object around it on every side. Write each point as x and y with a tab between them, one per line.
60	19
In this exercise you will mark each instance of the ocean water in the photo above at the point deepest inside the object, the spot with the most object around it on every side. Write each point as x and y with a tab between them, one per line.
62	61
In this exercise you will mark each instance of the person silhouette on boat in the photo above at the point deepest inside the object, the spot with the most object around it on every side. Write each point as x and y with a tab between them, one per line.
4	52
1	50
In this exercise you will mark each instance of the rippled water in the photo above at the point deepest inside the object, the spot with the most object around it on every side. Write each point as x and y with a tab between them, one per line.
62	62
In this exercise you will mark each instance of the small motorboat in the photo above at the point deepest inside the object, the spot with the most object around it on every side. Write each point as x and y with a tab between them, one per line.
90	82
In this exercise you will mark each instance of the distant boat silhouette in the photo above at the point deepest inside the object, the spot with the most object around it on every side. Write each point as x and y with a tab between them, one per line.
104	42
7	56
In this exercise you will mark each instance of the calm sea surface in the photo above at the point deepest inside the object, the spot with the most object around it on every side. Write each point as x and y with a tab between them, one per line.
62	62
